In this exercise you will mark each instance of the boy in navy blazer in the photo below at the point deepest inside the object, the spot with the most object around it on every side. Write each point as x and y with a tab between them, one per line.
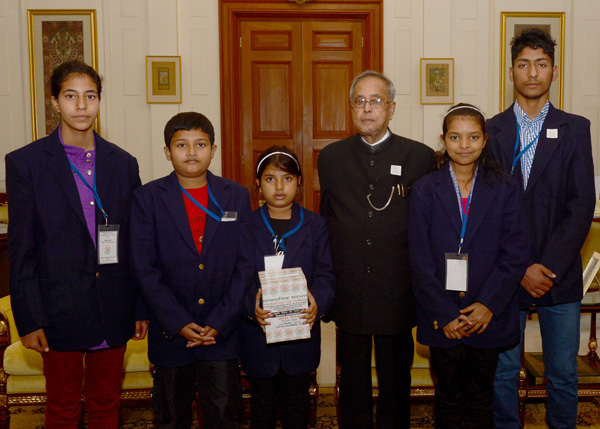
550	154
185	240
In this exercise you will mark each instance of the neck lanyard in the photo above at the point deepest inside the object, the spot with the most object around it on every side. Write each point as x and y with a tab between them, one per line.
93	189
464	213
213	199
518	156
287	234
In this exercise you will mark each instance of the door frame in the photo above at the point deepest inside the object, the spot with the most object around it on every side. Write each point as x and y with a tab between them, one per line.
230	14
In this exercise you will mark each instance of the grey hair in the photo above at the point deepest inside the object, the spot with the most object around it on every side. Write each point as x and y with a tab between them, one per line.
373	73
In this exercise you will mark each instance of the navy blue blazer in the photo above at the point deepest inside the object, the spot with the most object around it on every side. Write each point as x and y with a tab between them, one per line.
178	284
55	280
496	243
309	249
559	199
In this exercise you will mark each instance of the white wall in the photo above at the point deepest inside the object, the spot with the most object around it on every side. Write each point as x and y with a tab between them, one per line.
128	30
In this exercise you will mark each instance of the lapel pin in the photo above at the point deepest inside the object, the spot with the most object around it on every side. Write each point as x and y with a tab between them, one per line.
551	133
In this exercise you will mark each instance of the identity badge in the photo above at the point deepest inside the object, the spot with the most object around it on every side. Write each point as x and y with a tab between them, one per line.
108	244
396	170
457	270
551	133
229	217
274	262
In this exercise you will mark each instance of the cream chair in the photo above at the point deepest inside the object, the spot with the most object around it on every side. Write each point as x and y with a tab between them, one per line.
22	381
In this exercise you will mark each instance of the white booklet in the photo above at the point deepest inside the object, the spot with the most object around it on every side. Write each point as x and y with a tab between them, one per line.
285	295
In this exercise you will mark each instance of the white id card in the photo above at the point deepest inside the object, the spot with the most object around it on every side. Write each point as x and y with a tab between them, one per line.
229	217
274	262
457	269
108	244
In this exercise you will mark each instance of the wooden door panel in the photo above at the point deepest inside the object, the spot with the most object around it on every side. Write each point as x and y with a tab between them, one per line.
333	54
271	81
271	104
331	120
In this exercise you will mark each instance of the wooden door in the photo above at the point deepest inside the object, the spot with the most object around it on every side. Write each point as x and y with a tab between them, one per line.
292	72
295	79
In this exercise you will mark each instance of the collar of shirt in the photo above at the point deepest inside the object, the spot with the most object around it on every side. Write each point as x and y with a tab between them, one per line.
524	120
78	156
387	134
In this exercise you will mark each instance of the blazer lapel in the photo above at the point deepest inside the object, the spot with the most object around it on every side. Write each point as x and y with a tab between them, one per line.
104	172
222	198
58	164
447	195
545	147
173	200
295	241
482	197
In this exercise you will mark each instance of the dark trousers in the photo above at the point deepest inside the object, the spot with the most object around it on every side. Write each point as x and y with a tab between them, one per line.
219	392
465	386
290	392
393	359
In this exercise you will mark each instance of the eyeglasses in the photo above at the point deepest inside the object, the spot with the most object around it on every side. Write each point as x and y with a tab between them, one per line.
375	103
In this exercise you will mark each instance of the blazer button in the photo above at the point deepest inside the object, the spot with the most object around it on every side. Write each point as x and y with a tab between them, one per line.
435	325
201	301
201	266
462	294
368	270
98	274
370	213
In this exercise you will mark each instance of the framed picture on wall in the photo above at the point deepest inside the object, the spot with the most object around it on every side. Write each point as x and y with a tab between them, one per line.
163	79
56	36
437	80
514	23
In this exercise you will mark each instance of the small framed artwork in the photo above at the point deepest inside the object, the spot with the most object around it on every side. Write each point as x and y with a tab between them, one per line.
163	79
437	80
56	36
513	24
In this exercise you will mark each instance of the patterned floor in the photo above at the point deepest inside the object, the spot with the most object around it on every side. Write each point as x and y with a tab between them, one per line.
138	415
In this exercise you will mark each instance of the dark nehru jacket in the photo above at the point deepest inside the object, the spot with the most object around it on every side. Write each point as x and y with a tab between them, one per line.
370	247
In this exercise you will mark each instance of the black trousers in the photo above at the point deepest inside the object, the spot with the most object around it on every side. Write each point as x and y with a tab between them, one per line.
289	392
465	386
219	392
393	359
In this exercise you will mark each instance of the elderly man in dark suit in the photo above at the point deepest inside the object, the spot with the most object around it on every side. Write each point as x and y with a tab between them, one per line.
366	181
549	152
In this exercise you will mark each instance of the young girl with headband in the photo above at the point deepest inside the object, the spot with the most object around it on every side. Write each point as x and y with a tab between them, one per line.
288	236
468	250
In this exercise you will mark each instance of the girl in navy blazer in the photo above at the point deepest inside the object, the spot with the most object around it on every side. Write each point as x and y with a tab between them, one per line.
468	250
73	296
279	372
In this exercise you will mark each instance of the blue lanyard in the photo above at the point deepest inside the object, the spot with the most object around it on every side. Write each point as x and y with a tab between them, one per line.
287	234
464	213
516	156
213	199
93	189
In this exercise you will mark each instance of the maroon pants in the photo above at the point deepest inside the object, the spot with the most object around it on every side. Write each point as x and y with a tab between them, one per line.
67	377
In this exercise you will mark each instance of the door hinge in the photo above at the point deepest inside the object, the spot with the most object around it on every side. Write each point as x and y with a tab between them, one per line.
243	160
362	42
240	41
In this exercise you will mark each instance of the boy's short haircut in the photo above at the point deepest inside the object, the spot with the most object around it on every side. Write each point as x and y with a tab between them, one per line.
61	72
533	38
189	121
